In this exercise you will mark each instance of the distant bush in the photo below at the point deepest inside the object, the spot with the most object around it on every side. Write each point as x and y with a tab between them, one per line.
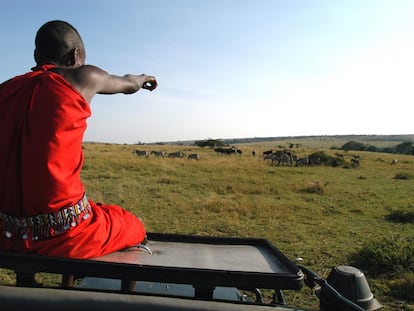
319	157
316	188
210	143
354	145
403	176
404	148
404	215
372	148
392	254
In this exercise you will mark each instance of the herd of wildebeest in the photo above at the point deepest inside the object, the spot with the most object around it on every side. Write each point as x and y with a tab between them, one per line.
273	157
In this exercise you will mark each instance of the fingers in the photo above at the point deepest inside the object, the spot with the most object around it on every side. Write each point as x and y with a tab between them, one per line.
150	84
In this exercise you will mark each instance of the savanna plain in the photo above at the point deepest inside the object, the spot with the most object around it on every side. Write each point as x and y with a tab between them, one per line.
329	216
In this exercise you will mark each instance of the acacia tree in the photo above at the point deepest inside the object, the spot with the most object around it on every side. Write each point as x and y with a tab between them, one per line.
353	145
210	143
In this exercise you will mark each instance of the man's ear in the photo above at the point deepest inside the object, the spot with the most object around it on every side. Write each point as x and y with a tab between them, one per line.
71	57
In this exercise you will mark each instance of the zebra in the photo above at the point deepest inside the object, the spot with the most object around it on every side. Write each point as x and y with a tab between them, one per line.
355	163
314	160
158	154
302	161
141	153
280	157
177	154
194	156
268	156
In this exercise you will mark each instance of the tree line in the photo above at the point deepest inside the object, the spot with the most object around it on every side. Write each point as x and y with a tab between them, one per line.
406	147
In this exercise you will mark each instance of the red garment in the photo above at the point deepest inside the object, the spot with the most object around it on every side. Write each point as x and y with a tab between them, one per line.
42	123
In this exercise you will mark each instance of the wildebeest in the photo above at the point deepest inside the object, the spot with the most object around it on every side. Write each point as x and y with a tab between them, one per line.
194	156
140	153
177	154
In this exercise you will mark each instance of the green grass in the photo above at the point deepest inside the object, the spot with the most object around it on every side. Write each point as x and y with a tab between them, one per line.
323	214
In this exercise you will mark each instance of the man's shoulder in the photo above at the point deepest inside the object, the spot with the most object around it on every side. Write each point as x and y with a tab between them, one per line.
13	81
82	74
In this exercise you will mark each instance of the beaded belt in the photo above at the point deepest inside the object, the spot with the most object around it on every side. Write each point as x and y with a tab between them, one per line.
45	225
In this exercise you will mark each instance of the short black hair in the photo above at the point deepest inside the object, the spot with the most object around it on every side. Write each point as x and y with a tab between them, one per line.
54	39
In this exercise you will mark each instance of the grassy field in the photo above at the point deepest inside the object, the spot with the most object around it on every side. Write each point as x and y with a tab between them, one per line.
323	214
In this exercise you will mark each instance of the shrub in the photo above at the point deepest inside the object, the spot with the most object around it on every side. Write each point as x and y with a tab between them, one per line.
392	254
402	176
353	145
316	188
405	215
321	156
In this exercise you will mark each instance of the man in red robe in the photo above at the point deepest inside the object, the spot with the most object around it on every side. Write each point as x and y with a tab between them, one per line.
43	205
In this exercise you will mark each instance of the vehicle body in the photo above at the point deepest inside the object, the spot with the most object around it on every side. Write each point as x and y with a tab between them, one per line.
171	272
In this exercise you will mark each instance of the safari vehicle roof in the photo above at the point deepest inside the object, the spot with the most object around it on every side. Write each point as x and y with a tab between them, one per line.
205	264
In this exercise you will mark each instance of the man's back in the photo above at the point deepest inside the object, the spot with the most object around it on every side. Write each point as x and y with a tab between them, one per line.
44	208
42	121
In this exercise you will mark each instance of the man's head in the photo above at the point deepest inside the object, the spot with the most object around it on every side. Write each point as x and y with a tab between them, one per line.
59	43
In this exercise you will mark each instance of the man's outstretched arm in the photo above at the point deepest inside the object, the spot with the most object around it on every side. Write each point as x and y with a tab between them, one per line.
91	80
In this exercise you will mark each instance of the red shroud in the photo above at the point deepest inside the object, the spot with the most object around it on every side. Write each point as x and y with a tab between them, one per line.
42	123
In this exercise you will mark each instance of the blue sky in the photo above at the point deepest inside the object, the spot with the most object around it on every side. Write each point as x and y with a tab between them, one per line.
235	68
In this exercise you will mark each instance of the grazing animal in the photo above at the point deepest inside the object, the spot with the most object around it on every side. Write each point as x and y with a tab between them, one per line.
314	160
178	154
194	156
141	153
280	157
355	163
302	161
268	156
394	162
158	154
225	150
